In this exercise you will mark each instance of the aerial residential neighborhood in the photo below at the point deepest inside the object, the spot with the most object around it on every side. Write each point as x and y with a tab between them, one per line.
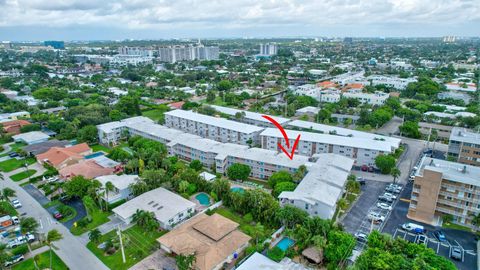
265	135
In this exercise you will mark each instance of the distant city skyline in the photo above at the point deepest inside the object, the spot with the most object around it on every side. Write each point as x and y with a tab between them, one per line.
30	20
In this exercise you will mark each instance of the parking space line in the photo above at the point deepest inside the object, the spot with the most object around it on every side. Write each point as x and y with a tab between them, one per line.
405	200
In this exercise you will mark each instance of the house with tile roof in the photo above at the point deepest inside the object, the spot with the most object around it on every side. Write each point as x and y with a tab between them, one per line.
59	157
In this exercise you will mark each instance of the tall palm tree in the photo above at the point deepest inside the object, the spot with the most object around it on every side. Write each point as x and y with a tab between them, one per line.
395	173
145	220
94	235
108	188
29	225
53	236
7	193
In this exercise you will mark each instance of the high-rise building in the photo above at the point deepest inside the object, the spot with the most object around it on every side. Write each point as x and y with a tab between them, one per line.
55	44
268	49
177	53
464	146
135	51
444	188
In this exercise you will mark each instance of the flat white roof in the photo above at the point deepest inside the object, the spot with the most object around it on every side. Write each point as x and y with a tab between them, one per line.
395	142
331	139
250	115
163	203
137	120
119	181
31	136
260	262
464	135
324	181
215	121
453	171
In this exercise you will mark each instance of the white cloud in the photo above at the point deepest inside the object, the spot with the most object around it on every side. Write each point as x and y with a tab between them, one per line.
227	14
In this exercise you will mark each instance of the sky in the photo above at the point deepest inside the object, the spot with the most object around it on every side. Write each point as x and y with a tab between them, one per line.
36	20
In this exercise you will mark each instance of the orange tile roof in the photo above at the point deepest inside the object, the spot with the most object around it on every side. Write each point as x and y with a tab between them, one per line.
326	84
176	105
13	127
57	155
88	169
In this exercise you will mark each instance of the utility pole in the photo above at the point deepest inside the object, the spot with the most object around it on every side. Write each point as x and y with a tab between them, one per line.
119	232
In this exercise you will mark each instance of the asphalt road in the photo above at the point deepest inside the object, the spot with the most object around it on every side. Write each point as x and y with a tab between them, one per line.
70	249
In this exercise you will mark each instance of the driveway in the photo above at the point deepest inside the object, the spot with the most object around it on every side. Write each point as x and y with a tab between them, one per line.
77	204
36	194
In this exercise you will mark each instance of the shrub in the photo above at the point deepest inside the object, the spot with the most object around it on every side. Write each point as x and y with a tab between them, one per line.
20	250
276	254
248	218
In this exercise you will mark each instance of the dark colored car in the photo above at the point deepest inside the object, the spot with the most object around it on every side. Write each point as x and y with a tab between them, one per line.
371	169
13	154
57	215
364	168
440	236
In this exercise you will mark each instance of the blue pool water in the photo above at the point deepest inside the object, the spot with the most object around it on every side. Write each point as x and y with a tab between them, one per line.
203	199
94	155
285	243
237	189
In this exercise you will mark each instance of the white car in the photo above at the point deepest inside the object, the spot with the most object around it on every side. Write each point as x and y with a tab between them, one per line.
15	220
376	217
361	236
16	203
17	242
384	206
14	259
387	194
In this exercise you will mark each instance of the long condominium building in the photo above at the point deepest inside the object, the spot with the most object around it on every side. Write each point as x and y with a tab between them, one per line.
215	128
445	188
464	146
362	150
251	118
177	53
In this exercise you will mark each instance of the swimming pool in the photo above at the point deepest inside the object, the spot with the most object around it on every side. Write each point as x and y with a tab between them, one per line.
285	243
94	155
203	199
237	189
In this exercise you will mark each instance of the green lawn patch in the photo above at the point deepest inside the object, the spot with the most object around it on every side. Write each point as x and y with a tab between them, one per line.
157	115
245	226
16	146
7	209
13	164
43	262
95	217
99	147
456	227
22	175
138	245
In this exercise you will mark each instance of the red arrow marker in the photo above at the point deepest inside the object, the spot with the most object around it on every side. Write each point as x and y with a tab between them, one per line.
289	155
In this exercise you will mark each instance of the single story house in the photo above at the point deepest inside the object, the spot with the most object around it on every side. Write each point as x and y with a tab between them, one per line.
207	176
40	148
59	157
31	137
168	207
121	185
14	126
215	240
87	168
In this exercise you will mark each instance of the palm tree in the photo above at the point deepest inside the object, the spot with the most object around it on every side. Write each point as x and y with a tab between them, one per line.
108	187
395	173
94	235
8	192
29	225
145	220
258	232
53	236
94	189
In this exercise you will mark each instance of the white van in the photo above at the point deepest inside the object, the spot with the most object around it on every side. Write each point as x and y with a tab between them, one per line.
412	227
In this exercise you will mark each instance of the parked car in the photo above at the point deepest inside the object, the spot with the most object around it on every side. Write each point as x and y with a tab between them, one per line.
388	194
385	199
15	220
16	242
14	259
361	181
364	168
412	227
422	239
376	217
457	253
57	215
16	203
13	154
440	236
384	206
361	236
371	169
392	190
30	237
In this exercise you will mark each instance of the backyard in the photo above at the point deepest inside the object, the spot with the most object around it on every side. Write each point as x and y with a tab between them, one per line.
246	224
100	148
13	164
43	261
156	115
138	245
22	175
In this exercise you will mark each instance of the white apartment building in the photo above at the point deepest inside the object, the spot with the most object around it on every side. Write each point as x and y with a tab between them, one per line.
124	60
138	51
112	132
322	186
363	151
268	49
352	77
329	96
251	118
378	98
218	129
177	53
390	81
311	90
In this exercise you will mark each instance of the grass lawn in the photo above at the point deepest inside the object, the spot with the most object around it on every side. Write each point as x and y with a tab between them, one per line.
22	175
244	226
455	227
16	146
138	245
98	218
156	115
7	209
43	262
99	147
13	164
